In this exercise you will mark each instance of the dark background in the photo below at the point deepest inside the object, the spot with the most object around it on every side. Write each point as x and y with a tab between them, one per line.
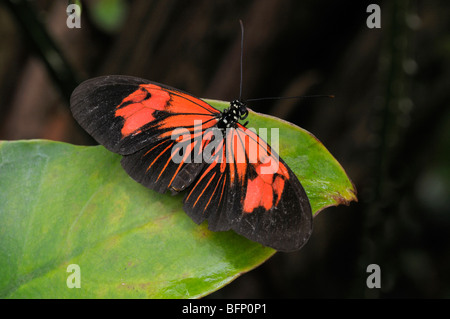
389	125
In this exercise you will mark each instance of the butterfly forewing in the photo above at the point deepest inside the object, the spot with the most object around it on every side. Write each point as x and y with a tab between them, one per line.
126	114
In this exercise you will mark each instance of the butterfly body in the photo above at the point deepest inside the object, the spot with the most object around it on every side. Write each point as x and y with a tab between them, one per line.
230	117
231	177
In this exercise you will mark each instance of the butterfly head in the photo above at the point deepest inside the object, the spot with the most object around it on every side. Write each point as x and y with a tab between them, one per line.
232	115
241	108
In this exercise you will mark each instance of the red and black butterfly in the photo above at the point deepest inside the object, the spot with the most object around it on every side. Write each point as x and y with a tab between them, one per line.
231	188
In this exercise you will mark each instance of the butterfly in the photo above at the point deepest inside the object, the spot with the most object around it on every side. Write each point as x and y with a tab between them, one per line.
231	177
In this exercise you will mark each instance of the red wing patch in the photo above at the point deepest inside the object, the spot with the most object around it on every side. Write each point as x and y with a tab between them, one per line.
138	108
266	183
263	191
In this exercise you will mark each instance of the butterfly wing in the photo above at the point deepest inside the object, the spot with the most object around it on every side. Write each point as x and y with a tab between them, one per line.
137	118
252	192
126	114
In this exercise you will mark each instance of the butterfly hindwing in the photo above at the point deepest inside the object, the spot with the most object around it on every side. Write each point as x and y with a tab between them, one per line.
166	164
285	222
276	209
210	193
152	166
256	195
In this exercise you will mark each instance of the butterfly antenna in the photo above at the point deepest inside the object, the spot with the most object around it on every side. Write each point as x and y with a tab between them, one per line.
242	50
291	97
267	98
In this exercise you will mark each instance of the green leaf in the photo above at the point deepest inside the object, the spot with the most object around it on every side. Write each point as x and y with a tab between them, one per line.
323	178
62	204
109	15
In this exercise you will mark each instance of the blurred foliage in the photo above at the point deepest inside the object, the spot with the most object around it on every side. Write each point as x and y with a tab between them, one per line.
388	125
109	15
